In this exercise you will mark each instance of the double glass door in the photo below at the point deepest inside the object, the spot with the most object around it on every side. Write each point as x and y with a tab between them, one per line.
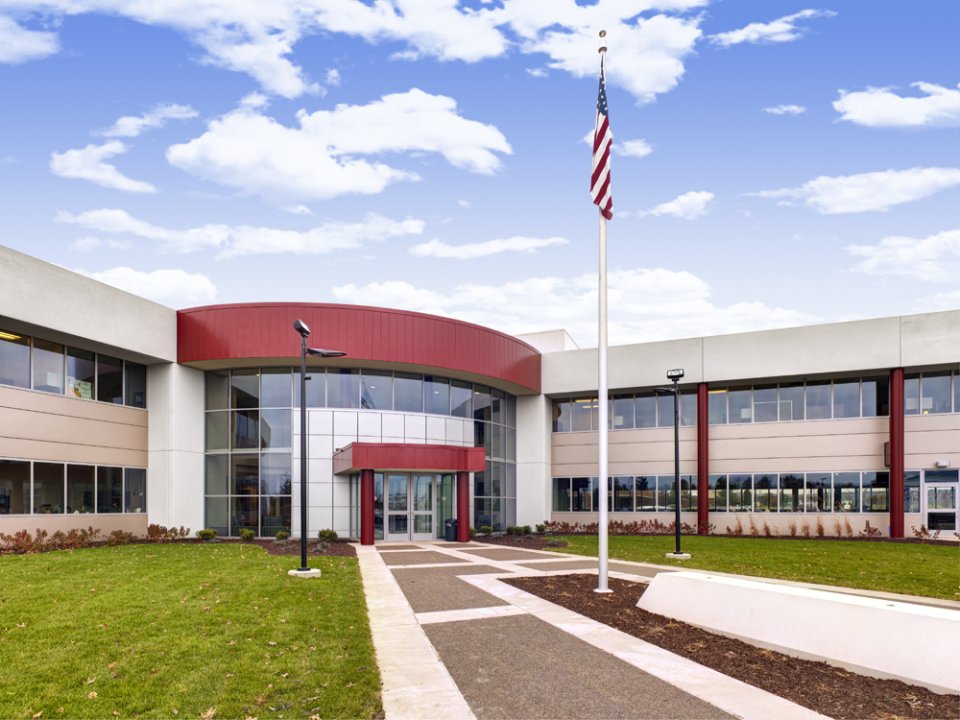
410	507
940	506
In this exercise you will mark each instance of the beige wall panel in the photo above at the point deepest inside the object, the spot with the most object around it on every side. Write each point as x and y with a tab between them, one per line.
106	524
813	447
931	339
829	464
71	453
62	429
852	426
41	402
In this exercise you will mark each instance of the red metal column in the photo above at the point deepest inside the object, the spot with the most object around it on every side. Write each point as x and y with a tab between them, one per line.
366	507
463	506
896	453
703	459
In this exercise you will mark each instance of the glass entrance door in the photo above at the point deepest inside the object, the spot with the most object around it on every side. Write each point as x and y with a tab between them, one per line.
940	506
410	507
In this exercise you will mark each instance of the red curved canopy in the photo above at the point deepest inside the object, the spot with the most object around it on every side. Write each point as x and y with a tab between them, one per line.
216	334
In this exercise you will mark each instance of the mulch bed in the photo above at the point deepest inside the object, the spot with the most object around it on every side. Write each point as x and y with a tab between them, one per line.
314	548
826	689
527	542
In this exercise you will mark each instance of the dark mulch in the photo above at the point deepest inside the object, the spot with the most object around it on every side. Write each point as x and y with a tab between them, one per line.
826	689
314	548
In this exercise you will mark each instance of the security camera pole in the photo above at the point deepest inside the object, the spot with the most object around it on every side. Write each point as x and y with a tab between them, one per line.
301	327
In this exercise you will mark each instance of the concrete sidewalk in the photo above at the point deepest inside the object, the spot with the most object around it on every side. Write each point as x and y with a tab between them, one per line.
452	641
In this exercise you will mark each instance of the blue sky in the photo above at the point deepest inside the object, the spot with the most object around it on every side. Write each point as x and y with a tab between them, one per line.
778	163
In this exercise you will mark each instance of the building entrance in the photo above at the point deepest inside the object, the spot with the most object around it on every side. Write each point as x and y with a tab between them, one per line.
417	505
940	507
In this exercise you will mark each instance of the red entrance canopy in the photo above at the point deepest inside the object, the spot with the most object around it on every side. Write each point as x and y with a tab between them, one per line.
406	457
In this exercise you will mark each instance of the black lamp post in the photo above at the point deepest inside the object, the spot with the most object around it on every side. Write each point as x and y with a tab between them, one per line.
301	327
675	375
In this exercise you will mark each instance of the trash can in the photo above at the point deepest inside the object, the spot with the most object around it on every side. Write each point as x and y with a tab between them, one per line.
450	530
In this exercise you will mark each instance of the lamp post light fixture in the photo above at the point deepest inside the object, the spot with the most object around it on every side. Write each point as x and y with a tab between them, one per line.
301	327
675	376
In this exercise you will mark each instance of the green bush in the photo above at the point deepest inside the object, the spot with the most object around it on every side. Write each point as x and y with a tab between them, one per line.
525	530
485	529
541	528
282	535
327	535
206	534
247	535
473	532
119	537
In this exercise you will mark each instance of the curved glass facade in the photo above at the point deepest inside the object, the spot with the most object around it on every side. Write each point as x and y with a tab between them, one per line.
249	436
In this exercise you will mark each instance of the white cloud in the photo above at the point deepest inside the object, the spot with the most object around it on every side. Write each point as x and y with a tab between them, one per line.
935	258
940	301
537	72
645	305
632	148
173	287
883	108
466	204
319	160
439	249
785	110
782	29
299	210
867	192
233	241
689	206
88	163
18	44
332	78
134	125
89	244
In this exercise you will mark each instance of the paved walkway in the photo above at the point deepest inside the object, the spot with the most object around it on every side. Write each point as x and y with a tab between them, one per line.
452	642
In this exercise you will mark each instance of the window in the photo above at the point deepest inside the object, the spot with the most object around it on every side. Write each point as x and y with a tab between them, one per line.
135	384
343	388
246	430
14	360
765	492
275	431
911	395
666	497
481	403
875	490
562	415
48	488
740	492
846	492
461	399
875	396
81	374
109	489
580	494
276	474
791	493
436	395
275	388
911	491
791	402
48	366
408	393
941	475
623	494
584	414
765	403
819	496
244	389
80	488
717	407
376	390
216	475
846	399
935	393
316	388
217	431
818	400
688	408
688	493
646	493
621	412
109	379
956	392
646	411
15	487
217	390
740	403
717	493
561	494
497	406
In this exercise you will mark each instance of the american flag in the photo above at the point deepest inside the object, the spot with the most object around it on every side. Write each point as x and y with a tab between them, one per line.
602	140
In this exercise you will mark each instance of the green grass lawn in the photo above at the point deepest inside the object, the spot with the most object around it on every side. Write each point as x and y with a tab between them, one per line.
216	630
913	569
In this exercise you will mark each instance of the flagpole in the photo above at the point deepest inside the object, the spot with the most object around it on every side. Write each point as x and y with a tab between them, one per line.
603	405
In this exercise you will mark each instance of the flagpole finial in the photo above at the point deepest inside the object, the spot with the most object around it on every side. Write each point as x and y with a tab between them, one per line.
603	46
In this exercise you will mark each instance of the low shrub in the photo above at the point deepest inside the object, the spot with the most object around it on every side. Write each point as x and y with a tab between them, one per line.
207	534
541	528
820	530
159	533
327	535
282	535
247	535
526	529
484	529
869	531
473	532
119	537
